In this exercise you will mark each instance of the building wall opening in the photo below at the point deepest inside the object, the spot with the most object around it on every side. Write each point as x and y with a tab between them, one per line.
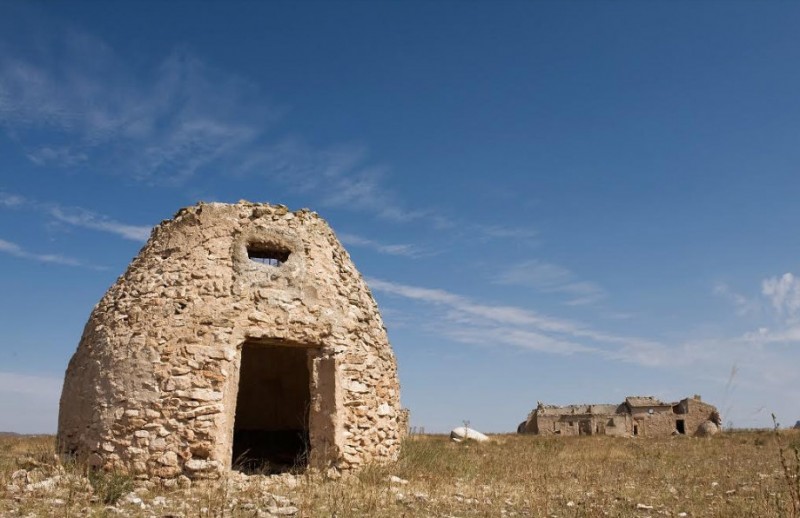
270	432
267	254
680	426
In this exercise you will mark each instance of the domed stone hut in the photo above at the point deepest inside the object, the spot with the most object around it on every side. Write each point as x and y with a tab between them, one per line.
241	336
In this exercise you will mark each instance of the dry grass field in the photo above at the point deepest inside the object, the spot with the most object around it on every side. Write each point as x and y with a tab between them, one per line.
732	474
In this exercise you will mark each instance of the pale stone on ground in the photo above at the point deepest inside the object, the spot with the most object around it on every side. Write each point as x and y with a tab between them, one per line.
463	433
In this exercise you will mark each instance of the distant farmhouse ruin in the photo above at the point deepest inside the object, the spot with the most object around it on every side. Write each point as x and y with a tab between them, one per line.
240	334
636	416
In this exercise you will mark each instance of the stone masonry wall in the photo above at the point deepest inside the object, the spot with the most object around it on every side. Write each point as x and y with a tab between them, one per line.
660	423
152	386
658	420
698	413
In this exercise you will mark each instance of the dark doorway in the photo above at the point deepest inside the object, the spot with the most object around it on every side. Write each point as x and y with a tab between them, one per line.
636	429
584	427
680	426
270	431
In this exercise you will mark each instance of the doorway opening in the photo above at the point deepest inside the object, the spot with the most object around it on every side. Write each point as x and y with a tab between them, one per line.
680	426
270	430
635	429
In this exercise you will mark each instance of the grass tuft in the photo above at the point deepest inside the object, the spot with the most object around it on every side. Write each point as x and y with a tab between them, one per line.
109	487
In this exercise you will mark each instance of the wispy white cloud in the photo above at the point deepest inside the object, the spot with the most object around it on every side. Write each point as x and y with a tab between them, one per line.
58	156
87	219
779	299
786	335
168	123
753	368
7	247
521	338
766	358
77	216
743	305
11	200
523	327
296	163
164	123
552	278
341	176
405	250
778	328
582	292
784	294
157	125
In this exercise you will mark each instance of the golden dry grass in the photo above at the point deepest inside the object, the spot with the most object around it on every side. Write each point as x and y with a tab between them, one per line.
732	474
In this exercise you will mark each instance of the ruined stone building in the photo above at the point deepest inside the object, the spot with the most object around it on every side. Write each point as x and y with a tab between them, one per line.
240	335
636	416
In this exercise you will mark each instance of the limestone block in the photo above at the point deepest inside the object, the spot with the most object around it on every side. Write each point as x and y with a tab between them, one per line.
170	458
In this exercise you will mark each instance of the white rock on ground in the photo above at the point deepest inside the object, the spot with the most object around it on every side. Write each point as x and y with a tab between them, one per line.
463	433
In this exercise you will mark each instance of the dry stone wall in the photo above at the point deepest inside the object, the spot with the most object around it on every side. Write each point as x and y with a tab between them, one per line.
152	387
638	416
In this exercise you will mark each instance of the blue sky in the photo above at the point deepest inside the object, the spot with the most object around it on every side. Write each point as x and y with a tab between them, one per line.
560	202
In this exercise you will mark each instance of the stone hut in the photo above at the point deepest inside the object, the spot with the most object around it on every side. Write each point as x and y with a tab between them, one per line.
637	416
241	336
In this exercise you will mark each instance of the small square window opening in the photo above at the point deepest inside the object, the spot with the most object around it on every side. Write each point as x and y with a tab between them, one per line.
269	255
